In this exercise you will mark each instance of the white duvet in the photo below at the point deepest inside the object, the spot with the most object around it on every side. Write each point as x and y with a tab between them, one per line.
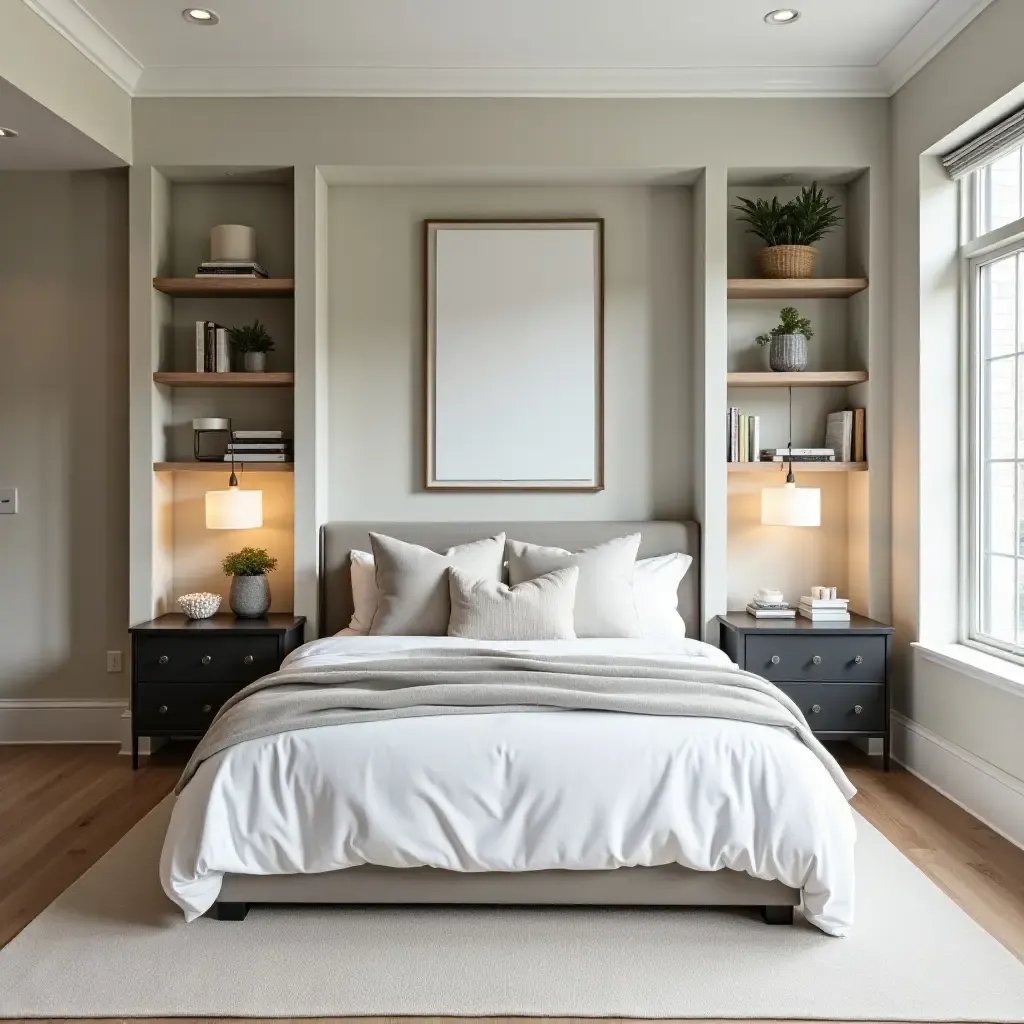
516	792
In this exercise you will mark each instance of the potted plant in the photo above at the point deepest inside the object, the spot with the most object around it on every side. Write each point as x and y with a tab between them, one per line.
788	341
250	591
789	230
254	343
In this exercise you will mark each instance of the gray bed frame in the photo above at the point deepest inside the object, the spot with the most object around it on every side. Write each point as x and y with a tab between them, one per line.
667	886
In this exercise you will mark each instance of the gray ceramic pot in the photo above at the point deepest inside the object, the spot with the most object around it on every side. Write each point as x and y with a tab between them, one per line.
250	596
254	362
788	353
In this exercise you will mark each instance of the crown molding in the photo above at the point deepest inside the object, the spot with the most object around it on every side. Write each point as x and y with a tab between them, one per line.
91	39
944	20
508	82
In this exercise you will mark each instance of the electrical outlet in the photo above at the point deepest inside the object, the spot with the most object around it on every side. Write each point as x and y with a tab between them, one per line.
113	661
8	500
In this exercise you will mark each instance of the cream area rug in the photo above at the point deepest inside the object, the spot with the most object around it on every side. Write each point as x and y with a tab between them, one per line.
113	946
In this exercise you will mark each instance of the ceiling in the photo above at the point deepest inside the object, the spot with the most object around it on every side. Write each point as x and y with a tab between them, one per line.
510	47
45	141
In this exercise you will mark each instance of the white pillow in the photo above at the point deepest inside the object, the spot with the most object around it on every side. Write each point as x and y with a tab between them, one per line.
364	592
539	609
604	590
656	593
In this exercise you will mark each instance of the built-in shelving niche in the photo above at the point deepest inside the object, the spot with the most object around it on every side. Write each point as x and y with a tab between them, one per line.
196	200
838	377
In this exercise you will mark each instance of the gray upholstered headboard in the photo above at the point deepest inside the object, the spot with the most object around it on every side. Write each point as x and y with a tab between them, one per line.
338	539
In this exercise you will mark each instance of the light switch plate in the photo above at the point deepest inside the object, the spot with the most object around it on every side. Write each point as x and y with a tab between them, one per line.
8	500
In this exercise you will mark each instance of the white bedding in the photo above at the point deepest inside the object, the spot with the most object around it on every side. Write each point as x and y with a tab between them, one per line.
516	792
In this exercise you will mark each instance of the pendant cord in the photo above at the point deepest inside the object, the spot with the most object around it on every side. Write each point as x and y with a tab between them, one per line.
790	479
233	480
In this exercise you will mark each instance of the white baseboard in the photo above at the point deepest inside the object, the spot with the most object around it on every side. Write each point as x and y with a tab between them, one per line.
61	721
983	790
147	744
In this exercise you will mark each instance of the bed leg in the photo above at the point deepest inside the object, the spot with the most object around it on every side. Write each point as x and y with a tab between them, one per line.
777	915
229	911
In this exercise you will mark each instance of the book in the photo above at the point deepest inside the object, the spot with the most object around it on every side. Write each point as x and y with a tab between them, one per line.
230	270
770	605
744	437
259	446
258	457
840	603
839	434
732	435
754	441
770	613
222	351
823	615
200	346
798	458
257	435
797	451
210	347
859	437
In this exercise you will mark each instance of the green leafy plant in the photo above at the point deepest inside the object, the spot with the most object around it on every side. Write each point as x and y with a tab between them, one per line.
790	322
248	562
804	220
252	338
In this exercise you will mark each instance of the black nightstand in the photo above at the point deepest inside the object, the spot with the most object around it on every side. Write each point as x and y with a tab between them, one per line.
184	669
837	673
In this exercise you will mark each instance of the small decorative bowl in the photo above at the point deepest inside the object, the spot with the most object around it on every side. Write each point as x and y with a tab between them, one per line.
199	606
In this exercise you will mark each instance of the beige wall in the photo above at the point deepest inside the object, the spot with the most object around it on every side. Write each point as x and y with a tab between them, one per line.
64	420
975	79
376	368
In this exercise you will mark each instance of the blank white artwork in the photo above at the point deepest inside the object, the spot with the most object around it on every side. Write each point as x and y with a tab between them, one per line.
514	353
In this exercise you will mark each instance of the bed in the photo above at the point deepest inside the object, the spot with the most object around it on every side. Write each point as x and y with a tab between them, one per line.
789	838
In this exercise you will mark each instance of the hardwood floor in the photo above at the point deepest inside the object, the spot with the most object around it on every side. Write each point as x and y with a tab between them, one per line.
62	808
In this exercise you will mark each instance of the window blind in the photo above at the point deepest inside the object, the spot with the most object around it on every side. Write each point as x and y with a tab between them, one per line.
986	147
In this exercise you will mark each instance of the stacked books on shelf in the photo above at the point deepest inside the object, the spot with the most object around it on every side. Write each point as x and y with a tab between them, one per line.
231	268
213	348
259	446
770	604
844	432
798	455
825	609
744	436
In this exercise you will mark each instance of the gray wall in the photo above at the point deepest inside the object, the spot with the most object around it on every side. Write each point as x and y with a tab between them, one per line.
376	356
63	421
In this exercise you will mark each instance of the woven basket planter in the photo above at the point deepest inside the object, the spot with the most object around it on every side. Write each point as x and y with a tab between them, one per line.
777	261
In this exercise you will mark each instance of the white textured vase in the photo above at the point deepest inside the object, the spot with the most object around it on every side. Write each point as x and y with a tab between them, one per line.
250	596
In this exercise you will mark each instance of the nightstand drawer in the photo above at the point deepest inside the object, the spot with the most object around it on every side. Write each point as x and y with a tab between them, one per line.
826	658
834	707
197	659
189	707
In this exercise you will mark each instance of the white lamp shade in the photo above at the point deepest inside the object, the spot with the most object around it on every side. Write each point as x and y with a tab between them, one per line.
234	509
790	505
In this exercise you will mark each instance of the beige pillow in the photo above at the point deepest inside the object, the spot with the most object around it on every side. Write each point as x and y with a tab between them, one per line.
604	590
539	609
412	582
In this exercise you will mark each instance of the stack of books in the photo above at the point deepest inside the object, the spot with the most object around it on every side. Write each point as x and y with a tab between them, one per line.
831	610
844	432
259	446
770	604
231	268
744	436
798	455
213	348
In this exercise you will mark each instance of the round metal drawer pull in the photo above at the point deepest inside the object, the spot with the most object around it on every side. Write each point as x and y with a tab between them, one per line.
247	660
775	659
207	708
816	660
858	709
163	659
858	660
162	709
815	709
206	659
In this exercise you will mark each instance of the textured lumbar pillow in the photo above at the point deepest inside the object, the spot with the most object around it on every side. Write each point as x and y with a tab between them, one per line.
412	582
656	592
604	590
539	609
364	591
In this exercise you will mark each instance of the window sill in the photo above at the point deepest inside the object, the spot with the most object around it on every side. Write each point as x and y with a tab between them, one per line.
987	668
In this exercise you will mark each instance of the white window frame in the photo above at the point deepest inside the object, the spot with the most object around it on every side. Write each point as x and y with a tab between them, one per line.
976	252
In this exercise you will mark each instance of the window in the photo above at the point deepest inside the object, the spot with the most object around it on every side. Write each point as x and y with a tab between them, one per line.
994	505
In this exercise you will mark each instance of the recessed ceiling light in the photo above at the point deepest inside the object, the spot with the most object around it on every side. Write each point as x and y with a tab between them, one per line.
199	16
783	16
8	133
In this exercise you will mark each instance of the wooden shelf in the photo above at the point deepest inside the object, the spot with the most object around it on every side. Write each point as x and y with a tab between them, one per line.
225	380
796	288
804	379
226	287
798	467
223	467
